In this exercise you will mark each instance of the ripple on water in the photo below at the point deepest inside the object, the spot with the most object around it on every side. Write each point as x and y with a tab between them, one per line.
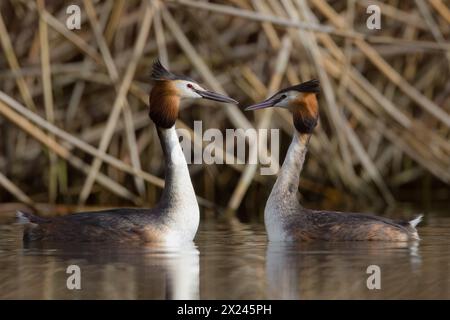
229	262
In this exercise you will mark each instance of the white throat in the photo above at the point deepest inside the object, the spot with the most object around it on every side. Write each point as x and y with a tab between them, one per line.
178	200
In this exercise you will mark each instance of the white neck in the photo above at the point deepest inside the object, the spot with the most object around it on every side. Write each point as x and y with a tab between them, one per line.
178	200
283	200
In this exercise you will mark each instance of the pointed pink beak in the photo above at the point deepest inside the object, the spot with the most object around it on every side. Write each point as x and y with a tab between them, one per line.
205	94
265	104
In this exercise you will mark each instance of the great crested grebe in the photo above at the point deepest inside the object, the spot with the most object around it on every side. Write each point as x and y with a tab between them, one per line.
285	218
176	217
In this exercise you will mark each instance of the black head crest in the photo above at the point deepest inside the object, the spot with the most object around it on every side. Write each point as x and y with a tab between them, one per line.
311	86
160	73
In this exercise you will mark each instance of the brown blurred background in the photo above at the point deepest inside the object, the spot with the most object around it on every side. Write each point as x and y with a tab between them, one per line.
73	103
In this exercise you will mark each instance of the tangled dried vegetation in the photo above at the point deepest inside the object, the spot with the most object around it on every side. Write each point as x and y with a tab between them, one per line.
73	104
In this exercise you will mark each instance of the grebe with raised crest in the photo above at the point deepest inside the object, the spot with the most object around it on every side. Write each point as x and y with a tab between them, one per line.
285	218
175	218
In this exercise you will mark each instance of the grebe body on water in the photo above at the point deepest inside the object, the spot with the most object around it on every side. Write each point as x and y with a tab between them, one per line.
285	218
175	218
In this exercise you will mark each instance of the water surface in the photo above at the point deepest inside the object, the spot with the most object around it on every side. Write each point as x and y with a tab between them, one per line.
228	262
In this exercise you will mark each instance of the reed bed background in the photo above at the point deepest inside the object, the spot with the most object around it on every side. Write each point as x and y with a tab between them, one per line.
73	103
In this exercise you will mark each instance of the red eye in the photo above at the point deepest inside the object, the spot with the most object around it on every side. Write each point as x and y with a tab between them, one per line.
190	86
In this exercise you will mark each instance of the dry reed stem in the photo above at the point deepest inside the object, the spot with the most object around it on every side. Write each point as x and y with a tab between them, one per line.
120	98
61	134
14	65
113	74
64	153
441	9
385	68
274	85
384	118
234	113
7	104
48	100
432	26
16	191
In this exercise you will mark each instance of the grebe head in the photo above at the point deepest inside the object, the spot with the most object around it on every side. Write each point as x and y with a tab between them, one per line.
169	89
301	100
